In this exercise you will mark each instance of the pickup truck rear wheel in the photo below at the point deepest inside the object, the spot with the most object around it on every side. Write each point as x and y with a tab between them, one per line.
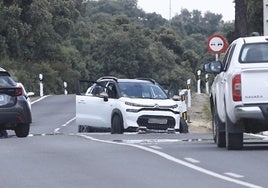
234	138
117	124
218	129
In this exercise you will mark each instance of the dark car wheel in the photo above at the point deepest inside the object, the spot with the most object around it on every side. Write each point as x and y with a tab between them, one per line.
218	130
22	130
183	126
234	139
117	125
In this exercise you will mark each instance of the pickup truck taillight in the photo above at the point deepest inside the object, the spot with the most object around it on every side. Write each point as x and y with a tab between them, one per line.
236	88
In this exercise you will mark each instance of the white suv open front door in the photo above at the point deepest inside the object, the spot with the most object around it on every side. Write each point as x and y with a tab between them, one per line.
93	111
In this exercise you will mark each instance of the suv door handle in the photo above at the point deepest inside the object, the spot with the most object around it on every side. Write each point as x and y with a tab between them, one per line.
81	102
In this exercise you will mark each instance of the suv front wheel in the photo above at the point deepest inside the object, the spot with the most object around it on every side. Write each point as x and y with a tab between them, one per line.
117	124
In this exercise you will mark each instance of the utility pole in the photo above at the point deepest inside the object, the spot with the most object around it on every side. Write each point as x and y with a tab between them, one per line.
169	10
265	17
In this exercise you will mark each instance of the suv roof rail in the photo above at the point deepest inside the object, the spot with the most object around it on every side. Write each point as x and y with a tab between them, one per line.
108	77
148	79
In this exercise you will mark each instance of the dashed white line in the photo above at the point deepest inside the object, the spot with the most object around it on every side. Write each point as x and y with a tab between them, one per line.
64	125
191	160
178	161
233	175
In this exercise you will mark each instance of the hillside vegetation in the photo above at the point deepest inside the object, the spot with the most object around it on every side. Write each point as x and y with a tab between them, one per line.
70	39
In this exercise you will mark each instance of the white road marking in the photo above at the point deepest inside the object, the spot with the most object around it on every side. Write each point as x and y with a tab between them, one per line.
40	99
56	130
178	161
191	160
150	141
64	125
156	147
233	175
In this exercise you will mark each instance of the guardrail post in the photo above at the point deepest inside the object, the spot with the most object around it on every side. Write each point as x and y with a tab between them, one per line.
198	81
207	84
65	88
184	113
188	87
41	85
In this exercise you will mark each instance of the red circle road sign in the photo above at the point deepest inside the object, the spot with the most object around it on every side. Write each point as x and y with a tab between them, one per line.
217	44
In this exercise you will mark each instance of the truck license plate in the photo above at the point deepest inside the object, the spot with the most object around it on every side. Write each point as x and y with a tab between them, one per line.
157	121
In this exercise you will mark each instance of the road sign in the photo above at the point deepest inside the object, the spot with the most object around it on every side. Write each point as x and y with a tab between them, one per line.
217	44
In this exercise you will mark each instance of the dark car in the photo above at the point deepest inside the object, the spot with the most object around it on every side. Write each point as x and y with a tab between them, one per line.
15	109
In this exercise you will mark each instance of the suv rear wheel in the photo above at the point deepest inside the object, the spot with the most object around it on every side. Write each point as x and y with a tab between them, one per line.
117	124
22	130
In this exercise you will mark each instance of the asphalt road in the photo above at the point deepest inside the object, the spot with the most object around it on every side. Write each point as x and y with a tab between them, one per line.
55	155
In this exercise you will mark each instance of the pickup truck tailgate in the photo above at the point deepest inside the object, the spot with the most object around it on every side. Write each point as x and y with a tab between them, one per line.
254	86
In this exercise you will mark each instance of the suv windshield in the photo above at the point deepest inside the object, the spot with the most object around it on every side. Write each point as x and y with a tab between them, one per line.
141	90
252	53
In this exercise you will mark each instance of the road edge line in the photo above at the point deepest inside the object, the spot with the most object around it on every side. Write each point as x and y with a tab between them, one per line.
178	161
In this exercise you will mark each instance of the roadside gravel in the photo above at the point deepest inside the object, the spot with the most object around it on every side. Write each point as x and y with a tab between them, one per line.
199	114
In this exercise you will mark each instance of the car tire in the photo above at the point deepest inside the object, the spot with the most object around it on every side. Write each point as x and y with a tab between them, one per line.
183	126
234	140
22	130
218	126
117	124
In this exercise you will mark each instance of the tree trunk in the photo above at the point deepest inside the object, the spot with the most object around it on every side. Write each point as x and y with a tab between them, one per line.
241	18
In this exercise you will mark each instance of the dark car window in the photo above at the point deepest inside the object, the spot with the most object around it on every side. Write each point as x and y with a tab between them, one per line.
228	57
254	53
111	90
141	90
6	80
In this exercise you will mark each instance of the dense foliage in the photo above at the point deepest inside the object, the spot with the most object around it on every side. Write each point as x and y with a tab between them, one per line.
70	39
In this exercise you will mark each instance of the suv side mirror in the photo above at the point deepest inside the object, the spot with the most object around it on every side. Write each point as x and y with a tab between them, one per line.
104	95
176	98
214	67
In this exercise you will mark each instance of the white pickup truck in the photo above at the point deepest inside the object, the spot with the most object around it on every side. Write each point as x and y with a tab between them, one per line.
239	93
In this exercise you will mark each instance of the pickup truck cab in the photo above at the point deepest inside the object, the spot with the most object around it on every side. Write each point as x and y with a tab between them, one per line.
239	92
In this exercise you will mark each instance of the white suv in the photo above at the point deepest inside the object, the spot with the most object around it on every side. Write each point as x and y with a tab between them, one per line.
127	105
